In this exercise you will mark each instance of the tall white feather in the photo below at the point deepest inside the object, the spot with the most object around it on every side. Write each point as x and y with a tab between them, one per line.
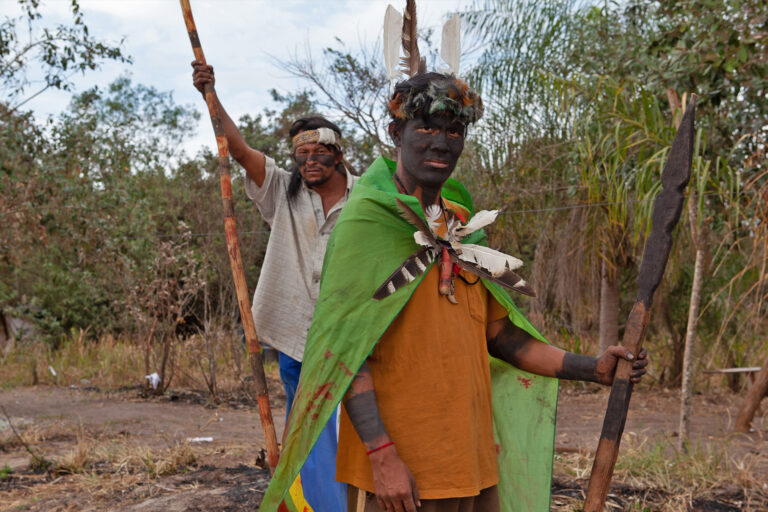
480	220
450	45
493	261
393	25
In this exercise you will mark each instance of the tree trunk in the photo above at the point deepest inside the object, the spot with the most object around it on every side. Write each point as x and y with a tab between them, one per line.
690	345
609	307
733	380
755	394
5	335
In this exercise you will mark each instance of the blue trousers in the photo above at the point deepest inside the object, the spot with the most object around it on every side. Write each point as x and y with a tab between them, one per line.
318	476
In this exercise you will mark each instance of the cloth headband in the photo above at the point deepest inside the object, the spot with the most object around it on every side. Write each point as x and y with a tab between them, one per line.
320	136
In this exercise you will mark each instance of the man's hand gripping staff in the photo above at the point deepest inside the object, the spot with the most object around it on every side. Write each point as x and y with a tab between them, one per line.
233	248
666	213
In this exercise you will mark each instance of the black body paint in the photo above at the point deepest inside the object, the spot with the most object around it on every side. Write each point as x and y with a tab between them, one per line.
316	163
578	367
325	159
508	343
429	150
363	410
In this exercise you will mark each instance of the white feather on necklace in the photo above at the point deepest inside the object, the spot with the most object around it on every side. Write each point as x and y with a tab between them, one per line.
433	214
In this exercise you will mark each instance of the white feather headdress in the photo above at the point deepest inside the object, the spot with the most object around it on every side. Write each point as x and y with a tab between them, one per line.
400	32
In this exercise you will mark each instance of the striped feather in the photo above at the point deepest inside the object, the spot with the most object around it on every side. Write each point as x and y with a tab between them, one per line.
411	61
421	239
507	279
480	220
494	261
412	267
420	224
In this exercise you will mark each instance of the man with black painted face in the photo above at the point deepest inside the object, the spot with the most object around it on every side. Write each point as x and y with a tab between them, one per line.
417	426
301	205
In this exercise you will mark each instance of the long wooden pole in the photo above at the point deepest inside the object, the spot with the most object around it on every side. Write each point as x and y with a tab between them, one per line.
233	248
666	213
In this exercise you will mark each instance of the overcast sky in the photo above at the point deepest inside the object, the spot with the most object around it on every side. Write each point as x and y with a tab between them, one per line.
238	38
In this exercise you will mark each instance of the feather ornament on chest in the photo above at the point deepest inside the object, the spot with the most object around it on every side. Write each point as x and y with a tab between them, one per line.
452	254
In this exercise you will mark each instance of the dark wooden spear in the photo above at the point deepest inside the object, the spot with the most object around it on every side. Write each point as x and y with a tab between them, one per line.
666	213
233	248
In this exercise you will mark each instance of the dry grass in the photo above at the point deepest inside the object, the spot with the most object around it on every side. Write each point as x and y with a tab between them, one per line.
656	476
110	363
94	457
653	475
101	471
95	451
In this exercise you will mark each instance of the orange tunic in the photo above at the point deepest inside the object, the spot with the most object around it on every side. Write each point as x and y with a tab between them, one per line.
432	381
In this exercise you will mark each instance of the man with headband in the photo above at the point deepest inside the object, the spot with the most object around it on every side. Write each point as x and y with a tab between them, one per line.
301	206
403	330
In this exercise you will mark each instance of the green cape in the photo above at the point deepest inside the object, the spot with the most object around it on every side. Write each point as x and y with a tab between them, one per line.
369	241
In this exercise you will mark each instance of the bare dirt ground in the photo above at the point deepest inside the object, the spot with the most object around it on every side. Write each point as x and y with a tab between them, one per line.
117	451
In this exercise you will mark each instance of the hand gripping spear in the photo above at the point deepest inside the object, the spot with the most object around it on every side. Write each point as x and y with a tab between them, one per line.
235	259
666	213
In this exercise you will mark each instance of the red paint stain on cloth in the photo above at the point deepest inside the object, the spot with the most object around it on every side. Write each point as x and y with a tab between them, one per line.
328	354
525	382
324	391
345	369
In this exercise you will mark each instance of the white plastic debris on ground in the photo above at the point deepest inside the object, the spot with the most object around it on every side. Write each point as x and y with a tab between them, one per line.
153	379
53	372
199	439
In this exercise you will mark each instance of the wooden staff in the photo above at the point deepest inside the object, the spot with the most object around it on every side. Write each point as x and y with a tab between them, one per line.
666	213
233	248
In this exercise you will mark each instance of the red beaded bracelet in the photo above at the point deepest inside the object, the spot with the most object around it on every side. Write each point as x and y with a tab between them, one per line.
379	448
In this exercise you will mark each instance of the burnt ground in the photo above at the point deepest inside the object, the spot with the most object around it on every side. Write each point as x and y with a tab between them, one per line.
118	451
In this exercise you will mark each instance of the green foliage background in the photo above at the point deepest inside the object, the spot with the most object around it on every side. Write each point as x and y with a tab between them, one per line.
580	100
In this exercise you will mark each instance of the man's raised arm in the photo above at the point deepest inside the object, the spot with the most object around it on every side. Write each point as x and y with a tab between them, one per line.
251	159
509	343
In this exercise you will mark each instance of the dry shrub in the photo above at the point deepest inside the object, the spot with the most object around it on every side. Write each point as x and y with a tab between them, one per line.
107	363
32	434
124	458
212	361
156	463
79	459
655	463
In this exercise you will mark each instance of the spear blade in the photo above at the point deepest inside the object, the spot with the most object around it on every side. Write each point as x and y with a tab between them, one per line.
666	213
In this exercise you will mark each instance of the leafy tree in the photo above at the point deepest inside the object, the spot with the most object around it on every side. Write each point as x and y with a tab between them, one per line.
540	63
717	49
522	43
27	43
353	90
85	191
